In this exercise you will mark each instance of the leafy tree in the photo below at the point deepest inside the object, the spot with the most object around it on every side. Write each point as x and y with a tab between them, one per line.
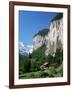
58	56
50	58
26	65
39	54
35	64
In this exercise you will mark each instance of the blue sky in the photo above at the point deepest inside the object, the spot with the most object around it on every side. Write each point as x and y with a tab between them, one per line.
30	22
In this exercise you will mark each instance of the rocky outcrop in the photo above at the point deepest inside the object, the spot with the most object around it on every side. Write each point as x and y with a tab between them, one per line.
53	39
38	41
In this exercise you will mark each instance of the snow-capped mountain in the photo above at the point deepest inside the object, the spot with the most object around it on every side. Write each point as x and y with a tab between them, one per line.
25	49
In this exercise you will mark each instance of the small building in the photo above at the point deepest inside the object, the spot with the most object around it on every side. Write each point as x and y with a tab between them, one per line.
47	65
44	66
52	65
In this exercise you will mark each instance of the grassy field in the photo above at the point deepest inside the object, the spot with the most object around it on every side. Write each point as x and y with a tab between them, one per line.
54	72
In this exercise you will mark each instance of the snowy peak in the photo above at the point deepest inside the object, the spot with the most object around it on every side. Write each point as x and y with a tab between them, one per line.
25	49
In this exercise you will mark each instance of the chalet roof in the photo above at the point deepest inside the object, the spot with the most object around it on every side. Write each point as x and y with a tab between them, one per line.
45	63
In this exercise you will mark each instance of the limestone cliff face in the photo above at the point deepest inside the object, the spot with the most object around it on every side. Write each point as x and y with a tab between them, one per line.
53	39
39	38
38	41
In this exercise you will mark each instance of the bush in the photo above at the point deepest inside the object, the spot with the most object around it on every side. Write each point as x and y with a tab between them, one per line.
43	74
34	65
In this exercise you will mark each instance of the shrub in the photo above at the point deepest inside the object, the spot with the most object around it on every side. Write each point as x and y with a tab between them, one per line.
43	74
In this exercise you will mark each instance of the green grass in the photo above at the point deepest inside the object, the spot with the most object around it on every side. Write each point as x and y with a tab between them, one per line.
54	72
31	75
